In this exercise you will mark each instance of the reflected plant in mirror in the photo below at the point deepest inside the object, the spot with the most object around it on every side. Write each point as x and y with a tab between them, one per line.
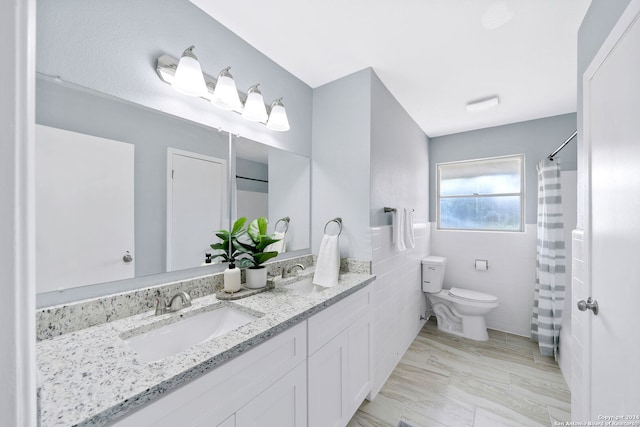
254	251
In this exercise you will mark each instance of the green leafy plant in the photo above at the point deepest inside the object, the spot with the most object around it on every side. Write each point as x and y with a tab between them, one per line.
251	247
226	237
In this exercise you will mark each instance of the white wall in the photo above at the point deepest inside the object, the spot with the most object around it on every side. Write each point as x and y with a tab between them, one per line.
512	265
398	298
511	275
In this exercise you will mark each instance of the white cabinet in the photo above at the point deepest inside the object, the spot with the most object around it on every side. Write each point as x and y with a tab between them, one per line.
340	371
275	384
284	404
214	397
328	384
360	374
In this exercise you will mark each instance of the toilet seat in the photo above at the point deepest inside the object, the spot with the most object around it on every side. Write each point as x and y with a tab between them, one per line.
469	295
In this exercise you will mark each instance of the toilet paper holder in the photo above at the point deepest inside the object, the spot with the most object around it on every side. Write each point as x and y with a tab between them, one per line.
481	264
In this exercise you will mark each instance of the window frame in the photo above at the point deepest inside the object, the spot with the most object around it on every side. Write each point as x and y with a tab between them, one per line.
521	194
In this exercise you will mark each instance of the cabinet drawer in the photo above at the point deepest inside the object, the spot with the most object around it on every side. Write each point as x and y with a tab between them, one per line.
218	394
335	319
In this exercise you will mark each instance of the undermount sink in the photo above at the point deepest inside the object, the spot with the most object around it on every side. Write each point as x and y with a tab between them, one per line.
304	286
167	340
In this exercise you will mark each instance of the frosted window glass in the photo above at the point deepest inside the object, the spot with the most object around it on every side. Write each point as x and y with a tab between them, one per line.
482	194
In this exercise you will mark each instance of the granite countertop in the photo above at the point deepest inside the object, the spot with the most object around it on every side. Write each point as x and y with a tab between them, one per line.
91	376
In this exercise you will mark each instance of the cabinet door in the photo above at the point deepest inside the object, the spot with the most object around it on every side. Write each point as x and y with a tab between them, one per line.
327	382
284	404
360	368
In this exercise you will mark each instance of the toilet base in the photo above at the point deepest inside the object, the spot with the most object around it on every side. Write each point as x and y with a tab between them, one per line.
471	327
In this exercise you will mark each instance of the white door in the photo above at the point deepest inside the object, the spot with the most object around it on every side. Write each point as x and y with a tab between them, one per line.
84	209
612	131
196	201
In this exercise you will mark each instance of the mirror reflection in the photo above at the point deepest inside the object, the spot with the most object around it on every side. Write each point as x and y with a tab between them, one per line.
148	188
274	184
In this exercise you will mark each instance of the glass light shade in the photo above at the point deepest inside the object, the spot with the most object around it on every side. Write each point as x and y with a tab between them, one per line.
278	120
188	79
225	94
254	108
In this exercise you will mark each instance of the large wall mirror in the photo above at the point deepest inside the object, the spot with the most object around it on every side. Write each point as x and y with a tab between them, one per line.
160	186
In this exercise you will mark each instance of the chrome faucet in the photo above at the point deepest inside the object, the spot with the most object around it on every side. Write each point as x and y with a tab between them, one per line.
176	303
287	273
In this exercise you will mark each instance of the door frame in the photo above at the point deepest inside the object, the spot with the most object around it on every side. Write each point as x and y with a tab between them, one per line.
626	20
170	153
18	402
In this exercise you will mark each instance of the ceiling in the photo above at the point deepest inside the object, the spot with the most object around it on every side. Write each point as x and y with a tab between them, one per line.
433	55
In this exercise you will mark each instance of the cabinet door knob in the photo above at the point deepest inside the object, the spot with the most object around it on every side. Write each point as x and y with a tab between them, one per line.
127	257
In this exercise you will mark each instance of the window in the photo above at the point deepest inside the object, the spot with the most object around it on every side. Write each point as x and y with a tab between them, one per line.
485	194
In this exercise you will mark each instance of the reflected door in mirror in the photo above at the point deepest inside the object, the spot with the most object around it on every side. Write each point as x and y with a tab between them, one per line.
195	207
85	214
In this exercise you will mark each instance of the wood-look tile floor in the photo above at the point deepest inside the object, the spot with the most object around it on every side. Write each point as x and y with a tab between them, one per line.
445	380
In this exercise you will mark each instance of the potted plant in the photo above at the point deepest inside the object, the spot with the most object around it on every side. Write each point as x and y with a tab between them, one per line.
251	252
229	241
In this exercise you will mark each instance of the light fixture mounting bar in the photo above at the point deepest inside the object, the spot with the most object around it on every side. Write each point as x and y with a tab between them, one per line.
166	69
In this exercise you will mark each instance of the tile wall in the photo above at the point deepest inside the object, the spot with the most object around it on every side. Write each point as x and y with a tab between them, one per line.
398	298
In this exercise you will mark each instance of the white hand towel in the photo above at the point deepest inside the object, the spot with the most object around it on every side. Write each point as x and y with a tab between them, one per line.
398	229
409	236
328	262
278	246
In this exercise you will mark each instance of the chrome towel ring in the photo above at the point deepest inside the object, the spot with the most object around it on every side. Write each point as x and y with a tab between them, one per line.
338	221
286	220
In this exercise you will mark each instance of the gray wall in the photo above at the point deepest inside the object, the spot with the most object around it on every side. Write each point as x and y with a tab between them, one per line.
598	22
367	153
112	47
152	132
536	139
399	159
341	161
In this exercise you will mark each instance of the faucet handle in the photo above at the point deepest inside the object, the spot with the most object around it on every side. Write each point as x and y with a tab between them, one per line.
186	299
161	306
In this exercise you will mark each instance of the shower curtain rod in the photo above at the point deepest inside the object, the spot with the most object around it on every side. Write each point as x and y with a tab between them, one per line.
552	155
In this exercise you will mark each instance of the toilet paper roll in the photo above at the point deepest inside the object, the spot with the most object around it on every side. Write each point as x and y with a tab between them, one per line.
482	264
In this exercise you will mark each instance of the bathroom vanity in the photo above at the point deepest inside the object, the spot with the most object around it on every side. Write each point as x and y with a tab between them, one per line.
300	344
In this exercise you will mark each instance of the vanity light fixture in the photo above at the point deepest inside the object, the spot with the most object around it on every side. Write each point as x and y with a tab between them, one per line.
254	108
222	93
188	77
278	120
225	94
482	104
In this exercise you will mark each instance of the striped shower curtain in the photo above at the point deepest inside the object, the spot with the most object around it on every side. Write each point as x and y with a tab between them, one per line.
550	261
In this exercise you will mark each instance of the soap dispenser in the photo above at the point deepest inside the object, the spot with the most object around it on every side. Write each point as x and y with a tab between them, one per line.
231	278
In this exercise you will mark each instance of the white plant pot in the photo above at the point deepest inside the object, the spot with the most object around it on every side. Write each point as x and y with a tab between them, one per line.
256	277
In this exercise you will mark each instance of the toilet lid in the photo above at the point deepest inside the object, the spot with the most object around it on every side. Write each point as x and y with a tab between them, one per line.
472	295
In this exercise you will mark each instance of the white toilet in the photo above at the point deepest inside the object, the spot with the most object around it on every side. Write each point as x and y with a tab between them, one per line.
459	311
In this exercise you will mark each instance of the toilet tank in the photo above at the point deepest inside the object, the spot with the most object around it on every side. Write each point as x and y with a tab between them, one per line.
433	273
